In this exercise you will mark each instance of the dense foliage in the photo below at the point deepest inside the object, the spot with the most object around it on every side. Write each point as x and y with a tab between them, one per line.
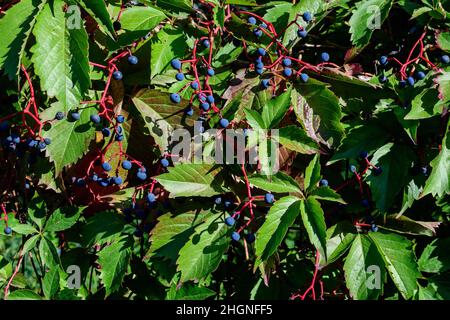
92	92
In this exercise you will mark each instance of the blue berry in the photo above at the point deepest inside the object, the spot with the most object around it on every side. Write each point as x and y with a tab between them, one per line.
119	137
287	72
179	76
323	183
118	180
420	75
445	59
127	165
363	154
374	227
251	238
175	98
75	116
41	145
257	32
117	75
410	81
95	118
304	77
365	203
402	83
47	141
189	112
211	72
165	163
259	65
251	20
205	106
265	83
210	99
352	168
263	25
120	119
81	182
227	204
377	171
8	230
106	132
307	16
218	200
260	71
151	197
235	236
229	221
261	51
195	85
302	33
176	64
224	123
384	60
325	57
206	43
59	115
133	60
106	166
269	198
141	175
287	62
382	79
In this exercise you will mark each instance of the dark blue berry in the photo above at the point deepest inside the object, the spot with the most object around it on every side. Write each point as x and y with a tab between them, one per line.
325	57
265	83
420	75
59	115
261	51
141	175
269	198
120	119
75	116
175	98
323	183
365	203
383	60
218	200
287	72
133	60
224	123
118	180
235	236
106	132
117	75
352	168
106	166
205	106
195	85
229	221
95	118
250	237
287	62
383	79
363	154
176	64
179	76
251	20
377	171
257	32
127	165
307	16
189	112
8	230
211	72
304	77
151	197
410	81
47	141
165	163
445	59
302	33
206	43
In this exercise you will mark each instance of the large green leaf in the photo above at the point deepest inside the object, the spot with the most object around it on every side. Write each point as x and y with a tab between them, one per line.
161	116
203	252
168	44
339	239
395	161
312	173
172	232
280	217
400	261
48	253
15	28
296	139
63	218
439	181
25	294
187	180
436	257
314	222
114	261
364	20
61	55
280	182
97	9
361	281
70	140
189	291
50	283
275	109
101	228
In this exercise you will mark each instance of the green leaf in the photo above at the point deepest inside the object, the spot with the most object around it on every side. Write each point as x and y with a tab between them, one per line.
202	254
435	257
326	105
15	27
24	229
443	40
360	279
97	9
172	232
169	43
438	182
254	119
364	19
190	291
400	261
175	5
136	23
368	137
50	283
314	222
114	260
280	182
24	295
30	243
48	253
101	228
61	55
406	225
275	109
270	235
339	238
161	116
296	139
312	173
70	140
187	180
395	161
328	194
425	104
63	218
